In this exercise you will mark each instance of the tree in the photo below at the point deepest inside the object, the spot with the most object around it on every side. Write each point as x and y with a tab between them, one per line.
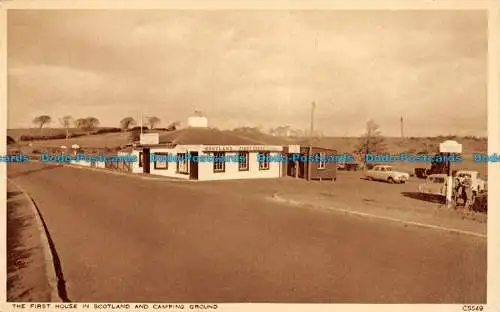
173	126
80	123
126	122
87	124
280	131
42	120
372	141
66	122
92	123
152	121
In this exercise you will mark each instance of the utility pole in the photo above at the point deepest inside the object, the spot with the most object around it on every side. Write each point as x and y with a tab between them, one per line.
402	133
313	106
141	122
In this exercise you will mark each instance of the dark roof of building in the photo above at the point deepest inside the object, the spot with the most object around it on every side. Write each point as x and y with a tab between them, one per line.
205	136
256	134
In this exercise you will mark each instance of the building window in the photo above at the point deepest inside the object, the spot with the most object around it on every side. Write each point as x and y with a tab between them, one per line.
263	159
219	162
161	161
182	163
140	159
322	161
243	161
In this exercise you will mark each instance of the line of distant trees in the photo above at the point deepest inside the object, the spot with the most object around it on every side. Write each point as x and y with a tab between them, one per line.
150	123
89	124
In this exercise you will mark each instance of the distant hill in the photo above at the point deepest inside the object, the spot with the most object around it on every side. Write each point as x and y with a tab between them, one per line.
17	133
52	133
341	144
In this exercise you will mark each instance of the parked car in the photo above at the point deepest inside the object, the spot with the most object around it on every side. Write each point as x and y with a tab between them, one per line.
386	173
435	185
420	173
351	167
478	184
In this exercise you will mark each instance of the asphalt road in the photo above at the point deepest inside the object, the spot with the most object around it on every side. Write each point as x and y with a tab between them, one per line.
124	239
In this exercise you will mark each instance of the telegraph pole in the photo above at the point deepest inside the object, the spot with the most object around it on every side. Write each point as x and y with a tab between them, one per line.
402	133
141	122
313	106
311	130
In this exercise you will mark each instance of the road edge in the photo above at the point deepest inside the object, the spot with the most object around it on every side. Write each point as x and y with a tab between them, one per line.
50	270
286	201
129	174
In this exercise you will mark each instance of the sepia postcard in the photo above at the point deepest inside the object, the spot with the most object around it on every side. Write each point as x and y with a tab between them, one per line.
287	155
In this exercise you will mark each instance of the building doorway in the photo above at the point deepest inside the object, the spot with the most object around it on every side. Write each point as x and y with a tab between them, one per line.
145	160
292	166
193	166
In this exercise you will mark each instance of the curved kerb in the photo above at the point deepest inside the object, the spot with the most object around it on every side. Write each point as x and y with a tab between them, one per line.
53	267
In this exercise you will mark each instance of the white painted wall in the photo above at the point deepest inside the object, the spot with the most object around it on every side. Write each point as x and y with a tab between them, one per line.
80	163
99	164
172	166
205	169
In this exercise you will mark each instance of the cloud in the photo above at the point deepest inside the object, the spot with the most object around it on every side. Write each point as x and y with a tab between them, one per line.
255	67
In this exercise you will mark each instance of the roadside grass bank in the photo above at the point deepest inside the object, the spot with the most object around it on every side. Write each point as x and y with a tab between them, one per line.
30	272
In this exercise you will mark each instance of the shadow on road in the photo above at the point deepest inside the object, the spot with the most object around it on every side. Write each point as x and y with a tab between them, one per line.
424	197
378	181
12	173
12	194
61	282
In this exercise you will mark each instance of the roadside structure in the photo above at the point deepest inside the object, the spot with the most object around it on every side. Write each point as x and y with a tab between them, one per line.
198	152
319	170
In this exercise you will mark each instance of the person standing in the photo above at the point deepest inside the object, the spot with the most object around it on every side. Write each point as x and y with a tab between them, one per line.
468	194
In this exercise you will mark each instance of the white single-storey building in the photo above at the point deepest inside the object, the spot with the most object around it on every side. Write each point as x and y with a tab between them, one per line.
86	162
202	153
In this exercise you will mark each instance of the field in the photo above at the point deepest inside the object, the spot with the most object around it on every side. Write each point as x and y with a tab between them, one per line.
17	133
96	141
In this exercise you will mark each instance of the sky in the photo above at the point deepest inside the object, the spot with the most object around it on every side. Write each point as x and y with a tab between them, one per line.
253	68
